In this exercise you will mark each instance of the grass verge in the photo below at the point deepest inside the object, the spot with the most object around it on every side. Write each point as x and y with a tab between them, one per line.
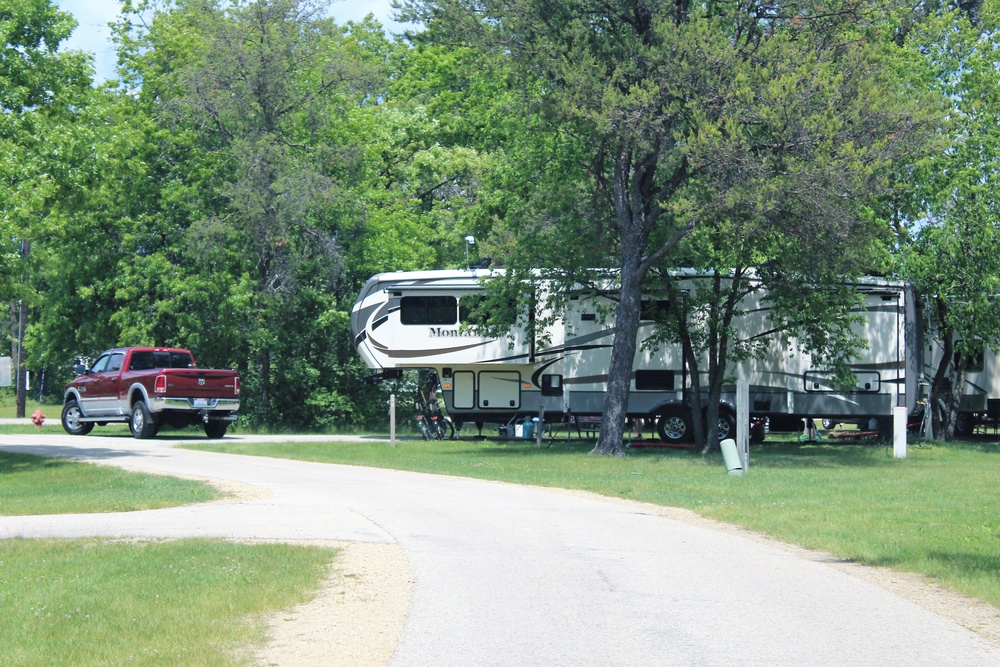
98	602
39	485
187	602
936	513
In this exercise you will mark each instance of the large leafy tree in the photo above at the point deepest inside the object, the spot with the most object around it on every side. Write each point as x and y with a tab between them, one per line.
950	249
256	165
426	154
674	117
809	308
256	101
109	249
39	87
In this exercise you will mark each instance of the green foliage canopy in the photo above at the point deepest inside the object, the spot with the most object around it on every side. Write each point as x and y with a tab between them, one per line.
755	130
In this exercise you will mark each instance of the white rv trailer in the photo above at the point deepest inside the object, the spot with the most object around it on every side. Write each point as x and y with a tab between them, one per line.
414	320
980	403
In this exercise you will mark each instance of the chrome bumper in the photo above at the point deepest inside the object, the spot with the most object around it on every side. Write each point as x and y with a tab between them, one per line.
194	404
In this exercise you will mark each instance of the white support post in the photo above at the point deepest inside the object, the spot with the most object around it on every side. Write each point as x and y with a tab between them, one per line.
392	420
743	422
899	433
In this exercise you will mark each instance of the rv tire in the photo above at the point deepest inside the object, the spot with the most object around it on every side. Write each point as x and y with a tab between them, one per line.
965	424
673	425
883	428
727	424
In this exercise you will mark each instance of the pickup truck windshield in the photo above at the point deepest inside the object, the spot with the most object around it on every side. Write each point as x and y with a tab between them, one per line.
144	361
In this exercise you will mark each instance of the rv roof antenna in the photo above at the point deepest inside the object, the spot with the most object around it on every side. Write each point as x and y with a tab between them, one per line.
469	240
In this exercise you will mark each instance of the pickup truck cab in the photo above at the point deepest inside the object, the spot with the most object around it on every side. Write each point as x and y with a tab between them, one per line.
149	387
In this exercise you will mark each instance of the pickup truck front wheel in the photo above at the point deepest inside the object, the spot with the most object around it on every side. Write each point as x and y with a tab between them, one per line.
141	423
71	423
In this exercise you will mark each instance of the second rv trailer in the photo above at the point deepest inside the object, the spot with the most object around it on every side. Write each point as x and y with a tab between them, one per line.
416	320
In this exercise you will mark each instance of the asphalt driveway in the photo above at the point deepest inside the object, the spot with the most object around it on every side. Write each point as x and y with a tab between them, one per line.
511	575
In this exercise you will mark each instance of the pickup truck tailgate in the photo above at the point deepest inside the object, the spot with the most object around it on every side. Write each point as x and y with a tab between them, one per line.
200	383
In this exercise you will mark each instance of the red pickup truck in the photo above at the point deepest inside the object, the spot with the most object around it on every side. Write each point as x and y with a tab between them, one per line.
149	387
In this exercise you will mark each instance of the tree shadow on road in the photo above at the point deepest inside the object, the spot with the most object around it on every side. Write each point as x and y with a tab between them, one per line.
20	458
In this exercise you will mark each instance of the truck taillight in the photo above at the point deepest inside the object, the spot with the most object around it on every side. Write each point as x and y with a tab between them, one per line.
160	384
237	385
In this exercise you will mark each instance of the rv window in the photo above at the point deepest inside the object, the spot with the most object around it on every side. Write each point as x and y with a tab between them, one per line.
976	358
468	309
428	310
654	310
657	380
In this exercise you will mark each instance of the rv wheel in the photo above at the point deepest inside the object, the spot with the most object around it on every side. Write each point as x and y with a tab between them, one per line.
727	425
673	425
965	424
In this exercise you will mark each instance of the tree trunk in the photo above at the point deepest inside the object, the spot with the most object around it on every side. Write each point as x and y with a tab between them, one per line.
609	442
940	395
955	397
22	323
21	370
631	199
694	372
720	323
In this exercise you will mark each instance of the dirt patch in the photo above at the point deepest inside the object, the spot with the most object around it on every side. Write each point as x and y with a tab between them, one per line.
355	620
234	491
229	491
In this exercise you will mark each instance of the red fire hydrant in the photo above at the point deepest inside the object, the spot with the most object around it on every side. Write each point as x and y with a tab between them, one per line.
37	418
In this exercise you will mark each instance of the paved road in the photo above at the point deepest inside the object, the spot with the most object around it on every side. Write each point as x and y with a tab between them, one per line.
510	575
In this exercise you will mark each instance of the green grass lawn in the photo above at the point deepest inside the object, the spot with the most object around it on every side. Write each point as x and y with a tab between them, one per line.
111	602
936	513
38	485
181	602
8	408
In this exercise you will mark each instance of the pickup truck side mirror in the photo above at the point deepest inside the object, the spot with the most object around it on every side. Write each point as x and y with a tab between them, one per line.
79	369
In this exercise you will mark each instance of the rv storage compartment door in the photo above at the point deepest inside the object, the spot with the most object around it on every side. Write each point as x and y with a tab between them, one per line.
464	383
499	389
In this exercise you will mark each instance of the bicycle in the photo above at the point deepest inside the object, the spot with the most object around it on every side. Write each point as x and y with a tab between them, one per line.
423	426
431	423
434	426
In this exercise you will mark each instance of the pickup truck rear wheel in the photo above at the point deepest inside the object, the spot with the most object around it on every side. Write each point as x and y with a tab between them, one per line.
71	423
141	423
216	429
